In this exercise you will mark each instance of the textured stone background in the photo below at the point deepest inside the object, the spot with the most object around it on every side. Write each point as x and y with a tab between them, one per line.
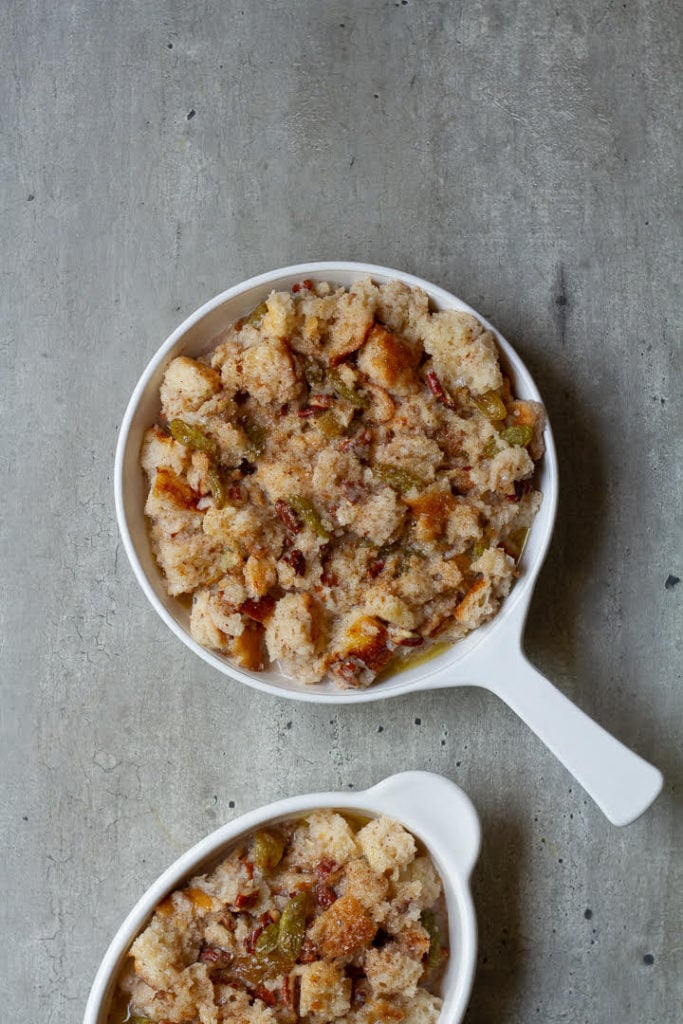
523	155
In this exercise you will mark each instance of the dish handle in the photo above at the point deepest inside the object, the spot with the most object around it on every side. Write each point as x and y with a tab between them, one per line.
621	783
436	810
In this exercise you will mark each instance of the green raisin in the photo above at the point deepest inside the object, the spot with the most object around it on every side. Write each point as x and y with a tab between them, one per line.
268	850
410	551
292	927
217	487
491	406
429	923
253	970
520	436
314	373
257	314
268	940
192	437
308	514
400	479
515	542
490	448
328	425
357	399
256	435
478	549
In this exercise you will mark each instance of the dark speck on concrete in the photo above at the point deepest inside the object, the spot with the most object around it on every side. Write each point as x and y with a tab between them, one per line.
231	803
380	728
289	725
191	115
350	785
352	161
30	198
443	743
458	763
376	95
648	959
561	301
418	721
672	581
170	46
588	913
24	817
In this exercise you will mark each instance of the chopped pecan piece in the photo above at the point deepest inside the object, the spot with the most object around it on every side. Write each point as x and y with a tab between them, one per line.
245	900
259	610
287	516
436	387
306	285
296	559
287	992
264	994
215	955
324	895
308	953
321	401
252	938
326	867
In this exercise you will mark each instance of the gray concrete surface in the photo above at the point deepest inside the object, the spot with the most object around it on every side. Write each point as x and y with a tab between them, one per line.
524	155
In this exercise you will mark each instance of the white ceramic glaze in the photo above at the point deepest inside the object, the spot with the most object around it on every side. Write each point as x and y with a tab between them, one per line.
434	809
620	782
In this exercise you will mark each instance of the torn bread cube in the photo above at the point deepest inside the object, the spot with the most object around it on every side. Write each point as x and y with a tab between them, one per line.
325	991
391	971
386	845
187	384
344	929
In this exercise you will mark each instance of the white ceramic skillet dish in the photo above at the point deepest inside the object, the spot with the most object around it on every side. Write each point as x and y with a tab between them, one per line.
621	783
434	809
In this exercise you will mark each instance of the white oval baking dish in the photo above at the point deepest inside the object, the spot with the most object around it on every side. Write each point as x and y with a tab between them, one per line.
434	809
621	783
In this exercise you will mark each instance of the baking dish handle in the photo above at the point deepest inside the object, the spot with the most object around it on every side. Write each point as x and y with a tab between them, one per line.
436	810
621	783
